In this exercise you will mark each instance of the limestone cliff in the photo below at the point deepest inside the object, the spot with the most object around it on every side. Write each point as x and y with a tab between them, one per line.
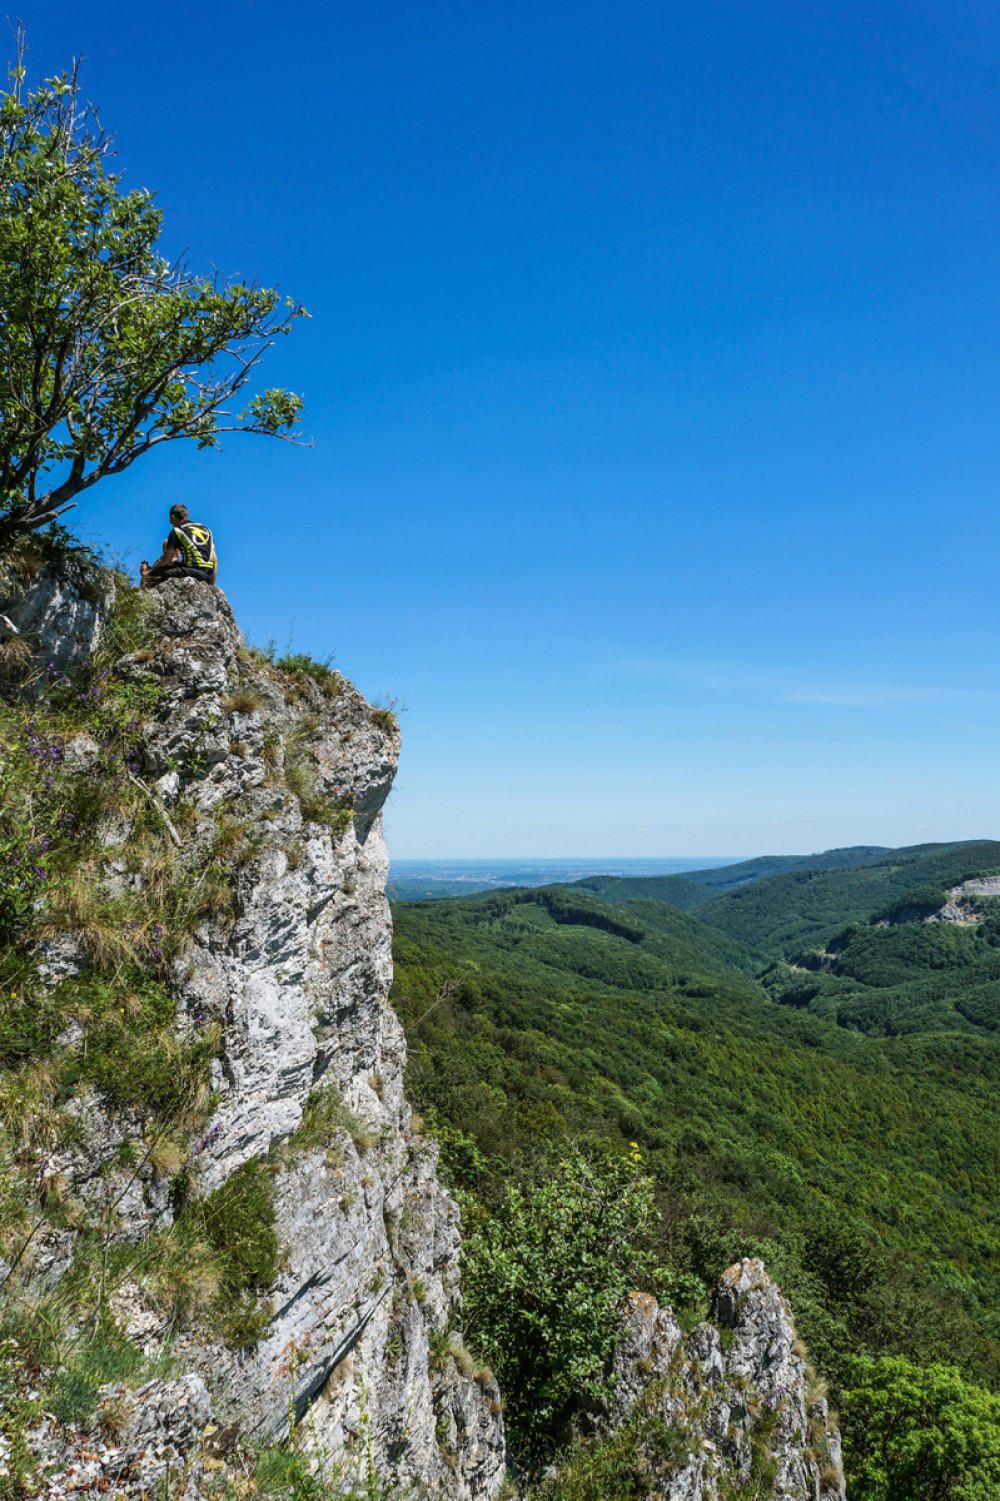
730	1410
290	982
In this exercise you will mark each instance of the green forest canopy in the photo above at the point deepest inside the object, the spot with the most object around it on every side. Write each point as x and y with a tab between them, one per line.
696	886
854	1146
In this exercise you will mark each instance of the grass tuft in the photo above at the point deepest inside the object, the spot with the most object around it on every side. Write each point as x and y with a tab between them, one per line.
300	664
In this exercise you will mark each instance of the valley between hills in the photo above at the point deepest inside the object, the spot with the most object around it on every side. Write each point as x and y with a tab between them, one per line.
805	1051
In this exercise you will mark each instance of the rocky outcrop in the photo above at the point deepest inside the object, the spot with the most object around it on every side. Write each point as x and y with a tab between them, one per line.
145	1441
56	612
362	1345
730	1407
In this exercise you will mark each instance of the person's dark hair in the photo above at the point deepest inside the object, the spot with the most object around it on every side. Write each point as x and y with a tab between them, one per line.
178	513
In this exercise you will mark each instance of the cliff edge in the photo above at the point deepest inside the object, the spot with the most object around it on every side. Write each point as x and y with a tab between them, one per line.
245	807
222	1235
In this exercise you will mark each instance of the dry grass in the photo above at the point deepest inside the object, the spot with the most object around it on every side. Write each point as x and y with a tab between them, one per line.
27	1107
114	932
112	1417
157	864
183	1278
245	700
15	663
27	559
304	727
229	835
298	780
166	1157
272	745
144	928
464	1363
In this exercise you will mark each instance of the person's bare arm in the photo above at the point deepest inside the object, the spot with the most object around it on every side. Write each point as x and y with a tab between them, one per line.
169	555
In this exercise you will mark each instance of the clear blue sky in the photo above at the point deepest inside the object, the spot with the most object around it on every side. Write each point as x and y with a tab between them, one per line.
653	372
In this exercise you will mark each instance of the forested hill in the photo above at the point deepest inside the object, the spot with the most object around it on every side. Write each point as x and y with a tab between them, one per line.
777	903
697	886
785	912
536	1014
809	1066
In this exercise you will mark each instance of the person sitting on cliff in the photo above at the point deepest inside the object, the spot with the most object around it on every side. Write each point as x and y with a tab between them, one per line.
188	553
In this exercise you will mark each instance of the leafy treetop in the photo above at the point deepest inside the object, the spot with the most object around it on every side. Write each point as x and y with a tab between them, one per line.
920	1433
106	348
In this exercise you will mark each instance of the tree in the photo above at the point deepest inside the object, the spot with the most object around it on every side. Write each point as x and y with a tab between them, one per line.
919	1433
544	1278
106	349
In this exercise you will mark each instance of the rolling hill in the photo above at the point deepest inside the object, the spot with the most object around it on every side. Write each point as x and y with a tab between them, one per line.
908	972
772	1129
785	912
697	886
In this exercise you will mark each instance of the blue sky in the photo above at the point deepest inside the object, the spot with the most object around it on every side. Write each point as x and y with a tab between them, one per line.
653	377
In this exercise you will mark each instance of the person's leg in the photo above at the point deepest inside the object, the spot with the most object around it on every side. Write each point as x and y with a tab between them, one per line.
160	572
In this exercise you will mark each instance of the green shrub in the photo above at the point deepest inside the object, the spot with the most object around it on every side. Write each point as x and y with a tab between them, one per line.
622	1466
543	1280
109	1358
915	1433
51	544
334	813
128	630
283	1472
295	663
920	902
324	1119
237	1220
30	1015
151	1070
21	1410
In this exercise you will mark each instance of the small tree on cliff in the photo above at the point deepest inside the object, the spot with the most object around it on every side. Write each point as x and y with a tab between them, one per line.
543	1279
106	349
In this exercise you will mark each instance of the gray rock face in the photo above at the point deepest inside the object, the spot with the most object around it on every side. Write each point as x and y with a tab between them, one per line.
155	1429
144	1442
737	1394
978	886
58	614
361	1344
